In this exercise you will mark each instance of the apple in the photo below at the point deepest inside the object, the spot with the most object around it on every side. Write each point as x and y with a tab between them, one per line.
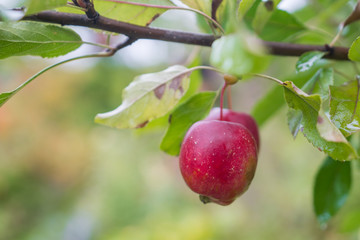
237	117
218	160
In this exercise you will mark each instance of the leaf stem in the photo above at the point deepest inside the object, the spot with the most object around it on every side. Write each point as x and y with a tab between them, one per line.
268	77
207	68
336	38
98	45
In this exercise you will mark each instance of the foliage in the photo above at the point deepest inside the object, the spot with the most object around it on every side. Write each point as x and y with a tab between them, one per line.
322	95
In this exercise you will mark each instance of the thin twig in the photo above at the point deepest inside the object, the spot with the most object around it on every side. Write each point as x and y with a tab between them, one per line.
139	32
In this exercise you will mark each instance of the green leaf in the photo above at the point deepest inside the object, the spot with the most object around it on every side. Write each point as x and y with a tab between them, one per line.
185	115
344	107
202	5
35	6
38	39
332	187
148	97
308	60
245	6
354	51
138	15
274	99
135	14
281	26
6	96
238	54
318	84
263	13
318	129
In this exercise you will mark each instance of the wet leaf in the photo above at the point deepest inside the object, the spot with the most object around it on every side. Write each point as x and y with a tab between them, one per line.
308	60
344	107
317	127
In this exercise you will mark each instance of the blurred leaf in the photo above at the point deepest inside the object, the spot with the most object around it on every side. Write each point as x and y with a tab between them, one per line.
280	26
134	14
185	115
351	221
238	54
294	121
268	105
354	51
34	6
332	186
263	13
244	6
318	129
202	5
344	107
148	97
307	60
38	39
227	16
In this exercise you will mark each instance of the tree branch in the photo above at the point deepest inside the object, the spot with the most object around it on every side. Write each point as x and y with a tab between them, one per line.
139	32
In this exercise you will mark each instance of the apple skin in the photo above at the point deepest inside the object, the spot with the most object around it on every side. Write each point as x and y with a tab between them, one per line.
218	160
238	117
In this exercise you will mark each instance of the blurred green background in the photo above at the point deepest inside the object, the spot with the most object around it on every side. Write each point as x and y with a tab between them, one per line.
64	177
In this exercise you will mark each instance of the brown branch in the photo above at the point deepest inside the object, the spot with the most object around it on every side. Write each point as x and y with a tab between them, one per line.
139	32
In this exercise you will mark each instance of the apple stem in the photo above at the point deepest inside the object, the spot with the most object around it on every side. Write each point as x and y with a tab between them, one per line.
229	101
222	100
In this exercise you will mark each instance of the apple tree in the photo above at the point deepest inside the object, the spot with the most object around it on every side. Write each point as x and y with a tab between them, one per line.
246	37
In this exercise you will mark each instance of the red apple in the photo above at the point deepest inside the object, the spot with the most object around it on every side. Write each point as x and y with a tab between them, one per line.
237	117
218	160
